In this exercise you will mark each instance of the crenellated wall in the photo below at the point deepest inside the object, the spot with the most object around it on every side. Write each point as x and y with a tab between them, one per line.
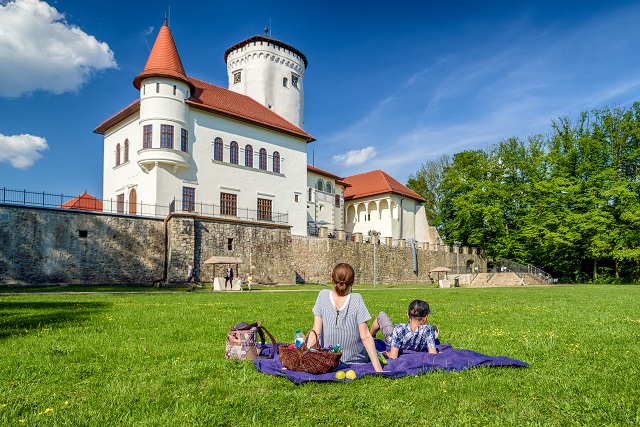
41	246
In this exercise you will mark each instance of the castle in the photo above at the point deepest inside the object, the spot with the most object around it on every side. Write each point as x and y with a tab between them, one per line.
241	153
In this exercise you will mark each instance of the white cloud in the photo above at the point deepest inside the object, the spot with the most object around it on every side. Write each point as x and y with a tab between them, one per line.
39	50
355	157
21	150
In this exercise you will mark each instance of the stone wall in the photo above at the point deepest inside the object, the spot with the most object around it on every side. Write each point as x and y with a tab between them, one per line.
39	245
316	257
265	249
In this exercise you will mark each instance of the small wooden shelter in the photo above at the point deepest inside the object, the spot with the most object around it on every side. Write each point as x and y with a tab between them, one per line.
216	260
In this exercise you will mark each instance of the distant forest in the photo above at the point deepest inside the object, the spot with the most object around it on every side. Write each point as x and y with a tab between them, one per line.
567	201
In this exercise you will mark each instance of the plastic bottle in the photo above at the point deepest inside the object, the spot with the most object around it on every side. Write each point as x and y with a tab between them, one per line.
298	338
334	349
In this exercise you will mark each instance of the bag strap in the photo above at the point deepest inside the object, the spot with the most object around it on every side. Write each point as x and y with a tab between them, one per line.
261	331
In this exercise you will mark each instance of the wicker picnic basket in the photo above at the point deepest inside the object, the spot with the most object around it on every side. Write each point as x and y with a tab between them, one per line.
303	359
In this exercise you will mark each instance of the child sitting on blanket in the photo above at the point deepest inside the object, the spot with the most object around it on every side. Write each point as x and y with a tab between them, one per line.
415	335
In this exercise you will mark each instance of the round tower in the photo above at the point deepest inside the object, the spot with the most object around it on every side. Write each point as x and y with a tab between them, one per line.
271	72
164	87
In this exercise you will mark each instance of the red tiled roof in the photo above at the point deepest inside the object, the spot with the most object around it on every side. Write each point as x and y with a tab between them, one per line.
218	100
376	182
127	111
164	60
85	201
339	180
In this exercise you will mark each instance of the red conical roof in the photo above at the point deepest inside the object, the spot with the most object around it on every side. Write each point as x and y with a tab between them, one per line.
164	60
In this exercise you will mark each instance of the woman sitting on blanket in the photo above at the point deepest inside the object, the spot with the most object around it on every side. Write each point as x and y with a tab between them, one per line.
341	318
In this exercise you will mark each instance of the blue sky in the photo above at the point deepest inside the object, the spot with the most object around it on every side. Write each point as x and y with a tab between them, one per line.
389	85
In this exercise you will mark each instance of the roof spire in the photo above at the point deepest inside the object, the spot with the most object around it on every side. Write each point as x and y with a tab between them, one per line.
164	60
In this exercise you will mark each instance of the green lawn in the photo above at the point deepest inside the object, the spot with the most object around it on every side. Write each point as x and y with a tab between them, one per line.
155	359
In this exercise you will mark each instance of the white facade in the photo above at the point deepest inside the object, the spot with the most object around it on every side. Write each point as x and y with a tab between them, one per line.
325	202
272	73
178	153
391	215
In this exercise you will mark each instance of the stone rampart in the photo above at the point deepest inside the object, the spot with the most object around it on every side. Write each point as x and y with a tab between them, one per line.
315	258
265	249
41	245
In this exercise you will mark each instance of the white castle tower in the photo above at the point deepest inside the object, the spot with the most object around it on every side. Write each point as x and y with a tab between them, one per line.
271	72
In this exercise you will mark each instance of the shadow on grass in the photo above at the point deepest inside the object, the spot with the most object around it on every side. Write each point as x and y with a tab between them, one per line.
16	318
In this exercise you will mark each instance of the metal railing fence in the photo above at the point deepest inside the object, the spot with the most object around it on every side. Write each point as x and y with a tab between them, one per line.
123	207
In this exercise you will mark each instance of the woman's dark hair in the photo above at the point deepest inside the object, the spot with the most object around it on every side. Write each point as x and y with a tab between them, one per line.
342	278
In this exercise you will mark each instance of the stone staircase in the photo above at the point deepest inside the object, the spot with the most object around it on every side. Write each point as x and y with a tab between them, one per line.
506	279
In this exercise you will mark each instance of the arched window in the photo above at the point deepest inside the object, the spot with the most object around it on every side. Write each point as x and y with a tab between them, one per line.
132	201
217	149
126	150
329	188
118	155
285	82
320	185
276	162
248	156
233	153
263	159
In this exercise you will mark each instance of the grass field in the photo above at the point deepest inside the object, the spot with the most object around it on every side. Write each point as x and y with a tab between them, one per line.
155	359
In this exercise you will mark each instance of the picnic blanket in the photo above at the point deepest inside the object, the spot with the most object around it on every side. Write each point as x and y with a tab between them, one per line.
409	363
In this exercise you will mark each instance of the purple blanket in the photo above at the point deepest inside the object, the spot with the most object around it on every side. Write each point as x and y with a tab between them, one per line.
409	363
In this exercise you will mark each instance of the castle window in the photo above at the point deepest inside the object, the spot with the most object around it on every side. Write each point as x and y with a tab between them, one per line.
188	199
296	198
144	89
233	153
264	209
328	188
262	162
285	82
276	162
147	136
217	149
228	204
184	140
126	150
174	89
248	156
237	77
294	80
118	155
166	136
132	201
157	87
120	203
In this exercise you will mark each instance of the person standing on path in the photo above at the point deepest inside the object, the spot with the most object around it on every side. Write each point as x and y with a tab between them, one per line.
229	277
190	279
